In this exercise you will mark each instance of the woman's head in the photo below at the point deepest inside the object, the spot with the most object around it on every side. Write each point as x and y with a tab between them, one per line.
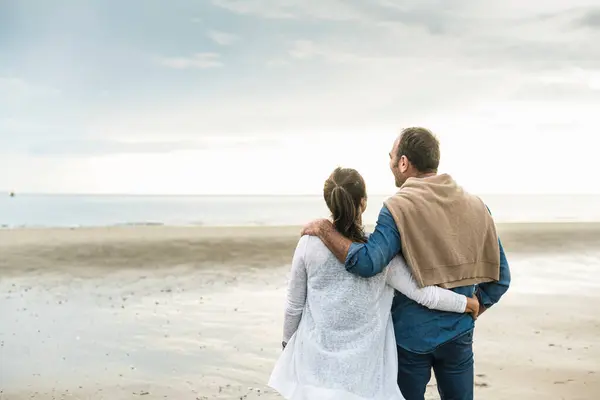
346	195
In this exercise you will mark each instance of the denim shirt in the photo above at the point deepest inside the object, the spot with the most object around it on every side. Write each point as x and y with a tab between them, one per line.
417	328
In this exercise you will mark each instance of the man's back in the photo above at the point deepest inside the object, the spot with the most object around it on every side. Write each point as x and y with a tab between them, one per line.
416	328
448	236
426	338
449	239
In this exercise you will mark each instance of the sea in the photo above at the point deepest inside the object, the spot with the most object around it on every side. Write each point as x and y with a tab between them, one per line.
42	211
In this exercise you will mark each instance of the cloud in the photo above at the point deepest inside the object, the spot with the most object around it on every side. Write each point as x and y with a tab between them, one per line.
575	85
576	76
303	49
338	64
83	148
306	50
589	19
198	60
18	87
505	32
13	84
93	148
222	38
276	9
277	63
373	12
313	69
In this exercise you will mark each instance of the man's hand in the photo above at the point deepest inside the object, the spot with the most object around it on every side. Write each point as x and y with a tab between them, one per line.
316	227
482	308
473	307
335	241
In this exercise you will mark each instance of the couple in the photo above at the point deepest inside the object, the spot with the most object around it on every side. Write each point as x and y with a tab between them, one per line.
434	243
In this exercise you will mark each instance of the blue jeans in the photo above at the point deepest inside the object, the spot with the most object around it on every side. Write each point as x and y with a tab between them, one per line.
452	364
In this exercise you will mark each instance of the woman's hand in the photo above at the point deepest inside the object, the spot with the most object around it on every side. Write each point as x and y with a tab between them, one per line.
473	306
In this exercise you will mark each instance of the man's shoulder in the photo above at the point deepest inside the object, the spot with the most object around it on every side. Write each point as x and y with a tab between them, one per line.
404	200
385	209
386	216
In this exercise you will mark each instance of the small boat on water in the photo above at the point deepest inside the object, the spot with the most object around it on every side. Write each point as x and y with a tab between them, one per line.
12	194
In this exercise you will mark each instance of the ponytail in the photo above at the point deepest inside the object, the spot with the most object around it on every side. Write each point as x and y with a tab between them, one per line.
345	214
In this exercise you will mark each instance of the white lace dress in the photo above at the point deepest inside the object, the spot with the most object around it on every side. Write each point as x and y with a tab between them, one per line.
339	329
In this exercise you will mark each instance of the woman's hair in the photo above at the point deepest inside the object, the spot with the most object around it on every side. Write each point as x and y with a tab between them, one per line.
343	192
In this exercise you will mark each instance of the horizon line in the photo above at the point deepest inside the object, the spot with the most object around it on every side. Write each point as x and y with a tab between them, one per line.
8	192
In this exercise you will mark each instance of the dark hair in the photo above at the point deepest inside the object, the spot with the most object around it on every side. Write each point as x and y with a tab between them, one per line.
421	147
343	192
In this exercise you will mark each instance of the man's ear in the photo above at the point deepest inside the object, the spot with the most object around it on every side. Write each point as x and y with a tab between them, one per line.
403	164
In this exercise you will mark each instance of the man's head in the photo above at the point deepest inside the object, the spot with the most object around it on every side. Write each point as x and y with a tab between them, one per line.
416	153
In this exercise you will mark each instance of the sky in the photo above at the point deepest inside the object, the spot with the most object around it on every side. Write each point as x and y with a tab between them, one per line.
269	96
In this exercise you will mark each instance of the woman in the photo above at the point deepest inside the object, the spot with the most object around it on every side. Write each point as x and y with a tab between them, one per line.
338	334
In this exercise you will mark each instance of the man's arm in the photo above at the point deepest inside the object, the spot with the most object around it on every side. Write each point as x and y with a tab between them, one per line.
490	293
363	259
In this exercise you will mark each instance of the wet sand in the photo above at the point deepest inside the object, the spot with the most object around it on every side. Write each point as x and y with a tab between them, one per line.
196	313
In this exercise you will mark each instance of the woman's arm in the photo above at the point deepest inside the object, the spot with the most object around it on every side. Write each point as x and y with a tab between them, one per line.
401	279
296	293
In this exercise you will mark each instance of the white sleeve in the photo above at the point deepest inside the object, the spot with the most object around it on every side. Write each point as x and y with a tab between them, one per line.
400	278
296	292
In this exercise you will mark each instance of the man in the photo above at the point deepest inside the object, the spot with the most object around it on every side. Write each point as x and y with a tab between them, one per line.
448	238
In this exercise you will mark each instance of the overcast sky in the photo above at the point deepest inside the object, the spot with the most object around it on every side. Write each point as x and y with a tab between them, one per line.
268	96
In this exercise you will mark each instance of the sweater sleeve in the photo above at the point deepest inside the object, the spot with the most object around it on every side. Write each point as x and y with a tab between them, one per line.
296	292
370	258
433	297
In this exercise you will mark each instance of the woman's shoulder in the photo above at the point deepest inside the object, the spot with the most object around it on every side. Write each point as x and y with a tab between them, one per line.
313	248
304	243
307	241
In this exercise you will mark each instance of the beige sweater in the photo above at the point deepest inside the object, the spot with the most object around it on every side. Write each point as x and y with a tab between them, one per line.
448	235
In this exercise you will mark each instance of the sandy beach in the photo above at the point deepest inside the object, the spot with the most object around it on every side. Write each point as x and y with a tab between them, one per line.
196	313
